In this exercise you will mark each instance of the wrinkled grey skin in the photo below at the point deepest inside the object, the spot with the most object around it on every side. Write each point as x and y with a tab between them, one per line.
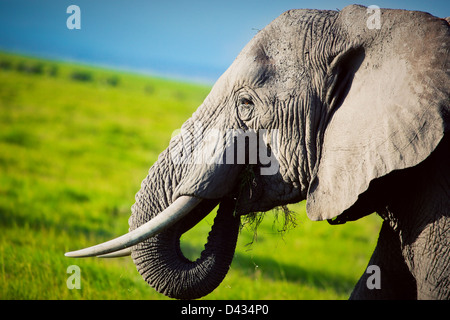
362	115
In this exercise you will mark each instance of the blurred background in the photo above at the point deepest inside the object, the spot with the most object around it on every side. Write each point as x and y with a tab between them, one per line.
189	39
84	114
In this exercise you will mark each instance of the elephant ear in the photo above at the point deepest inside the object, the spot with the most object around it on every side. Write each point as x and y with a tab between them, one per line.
393	111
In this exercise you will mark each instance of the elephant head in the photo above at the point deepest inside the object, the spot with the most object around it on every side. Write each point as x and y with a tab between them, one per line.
316	106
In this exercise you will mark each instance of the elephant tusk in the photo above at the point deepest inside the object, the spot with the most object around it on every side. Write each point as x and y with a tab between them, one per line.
117	254
177	210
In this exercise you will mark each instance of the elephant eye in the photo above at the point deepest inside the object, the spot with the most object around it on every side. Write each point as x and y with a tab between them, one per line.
245	108
246	102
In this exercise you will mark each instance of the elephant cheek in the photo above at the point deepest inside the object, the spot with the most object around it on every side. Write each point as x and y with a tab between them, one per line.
209	181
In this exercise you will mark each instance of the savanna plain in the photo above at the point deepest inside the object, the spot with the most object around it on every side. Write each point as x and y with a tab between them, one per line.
75	143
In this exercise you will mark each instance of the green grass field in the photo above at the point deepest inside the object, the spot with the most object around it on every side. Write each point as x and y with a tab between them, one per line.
75	144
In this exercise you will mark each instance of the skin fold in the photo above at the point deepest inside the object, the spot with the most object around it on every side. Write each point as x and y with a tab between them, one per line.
360	118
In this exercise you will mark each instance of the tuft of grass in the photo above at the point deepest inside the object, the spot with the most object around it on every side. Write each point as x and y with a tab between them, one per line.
73	155
284	220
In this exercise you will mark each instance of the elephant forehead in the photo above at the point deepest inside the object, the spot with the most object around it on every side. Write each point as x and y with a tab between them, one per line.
277	57
272	64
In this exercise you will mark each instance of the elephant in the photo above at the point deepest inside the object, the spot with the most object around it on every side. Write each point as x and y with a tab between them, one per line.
348	113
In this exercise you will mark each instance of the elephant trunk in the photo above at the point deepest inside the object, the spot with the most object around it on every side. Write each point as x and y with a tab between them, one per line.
162	264
160	260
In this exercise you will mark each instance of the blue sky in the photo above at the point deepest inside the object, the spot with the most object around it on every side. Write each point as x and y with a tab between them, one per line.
186	39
